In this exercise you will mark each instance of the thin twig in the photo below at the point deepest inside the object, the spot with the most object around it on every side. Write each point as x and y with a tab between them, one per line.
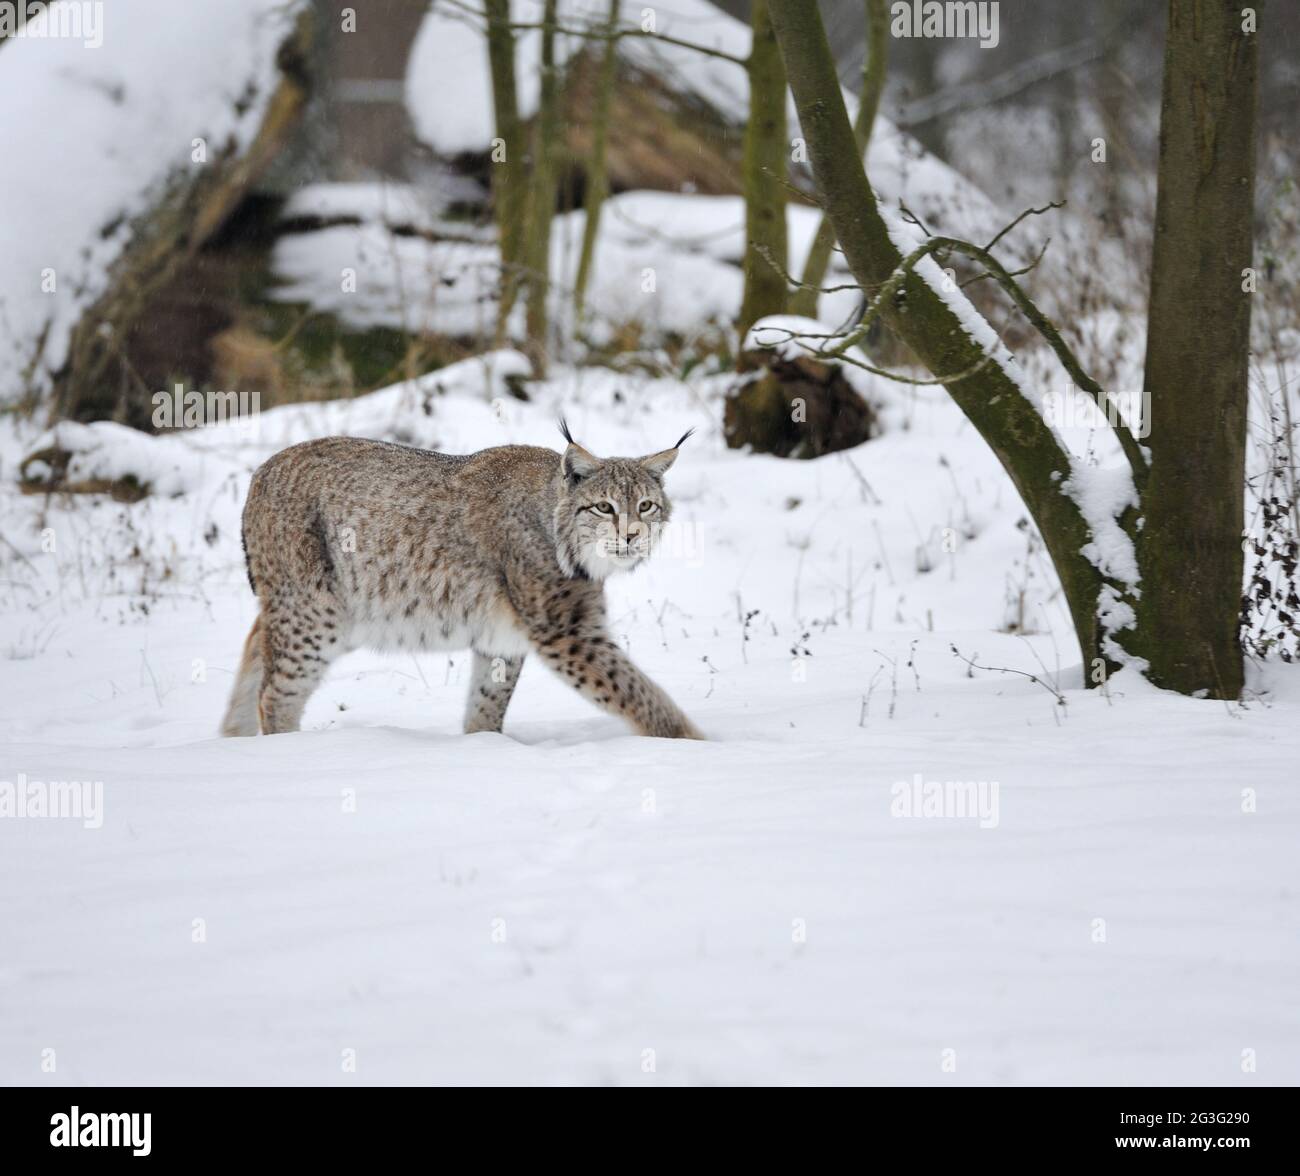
974	665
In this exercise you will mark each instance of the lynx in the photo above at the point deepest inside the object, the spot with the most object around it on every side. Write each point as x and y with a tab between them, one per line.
352	543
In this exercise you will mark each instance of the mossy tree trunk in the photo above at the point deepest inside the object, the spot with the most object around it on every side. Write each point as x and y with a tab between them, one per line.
1198	339
509	166
804	300
542	195
597	169
766	168
1188	543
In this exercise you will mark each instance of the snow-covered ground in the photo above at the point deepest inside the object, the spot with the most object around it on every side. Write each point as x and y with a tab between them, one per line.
381	899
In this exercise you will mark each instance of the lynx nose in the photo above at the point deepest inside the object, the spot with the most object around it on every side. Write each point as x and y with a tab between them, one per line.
638	534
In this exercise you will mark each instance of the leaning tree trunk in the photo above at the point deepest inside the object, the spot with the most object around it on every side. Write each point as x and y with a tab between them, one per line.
1198	339
546	142
1006	418
804	300
765	165
597	166
509	171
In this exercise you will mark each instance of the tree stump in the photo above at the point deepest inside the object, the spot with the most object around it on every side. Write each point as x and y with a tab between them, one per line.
795	407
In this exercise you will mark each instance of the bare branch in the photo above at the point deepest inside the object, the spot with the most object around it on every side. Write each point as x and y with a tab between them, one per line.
1128	443
979	94
1028	212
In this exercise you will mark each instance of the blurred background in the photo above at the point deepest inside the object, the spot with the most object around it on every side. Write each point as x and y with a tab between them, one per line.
216	170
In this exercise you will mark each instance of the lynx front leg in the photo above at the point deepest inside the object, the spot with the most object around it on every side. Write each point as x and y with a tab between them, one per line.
491	685
602	673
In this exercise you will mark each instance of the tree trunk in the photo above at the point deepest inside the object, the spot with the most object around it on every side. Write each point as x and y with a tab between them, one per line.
1198	339
766	148
1186	530
805	299
924	56
597	171
1007	420
1113	110
546	142
509	172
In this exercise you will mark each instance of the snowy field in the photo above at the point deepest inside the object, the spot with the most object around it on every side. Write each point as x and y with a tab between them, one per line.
380	899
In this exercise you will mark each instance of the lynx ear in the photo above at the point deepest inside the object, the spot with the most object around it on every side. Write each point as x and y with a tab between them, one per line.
576	463
657	463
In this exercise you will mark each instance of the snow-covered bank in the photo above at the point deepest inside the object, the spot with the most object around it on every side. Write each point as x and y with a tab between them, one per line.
95	139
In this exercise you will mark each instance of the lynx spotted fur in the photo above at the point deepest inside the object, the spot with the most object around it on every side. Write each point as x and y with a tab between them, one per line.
354	543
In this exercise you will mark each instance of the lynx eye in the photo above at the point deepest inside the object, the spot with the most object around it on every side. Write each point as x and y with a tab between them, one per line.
647	507
604	508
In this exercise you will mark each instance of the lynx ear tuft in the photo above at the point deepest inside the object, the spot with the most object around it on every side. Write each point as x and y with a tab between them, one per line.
657	463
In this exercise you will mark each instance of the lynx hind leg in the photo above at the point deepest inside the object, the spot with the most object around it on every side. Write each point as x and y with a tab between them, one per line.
299	640
241	713
492	683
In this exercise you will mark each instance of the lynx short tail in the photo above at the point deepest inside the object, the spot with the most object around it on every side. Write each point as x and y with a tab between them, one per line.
242	715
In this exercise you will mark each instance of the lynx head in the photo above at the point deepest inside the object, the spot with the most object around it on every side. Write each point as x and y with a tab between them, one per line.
609	511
